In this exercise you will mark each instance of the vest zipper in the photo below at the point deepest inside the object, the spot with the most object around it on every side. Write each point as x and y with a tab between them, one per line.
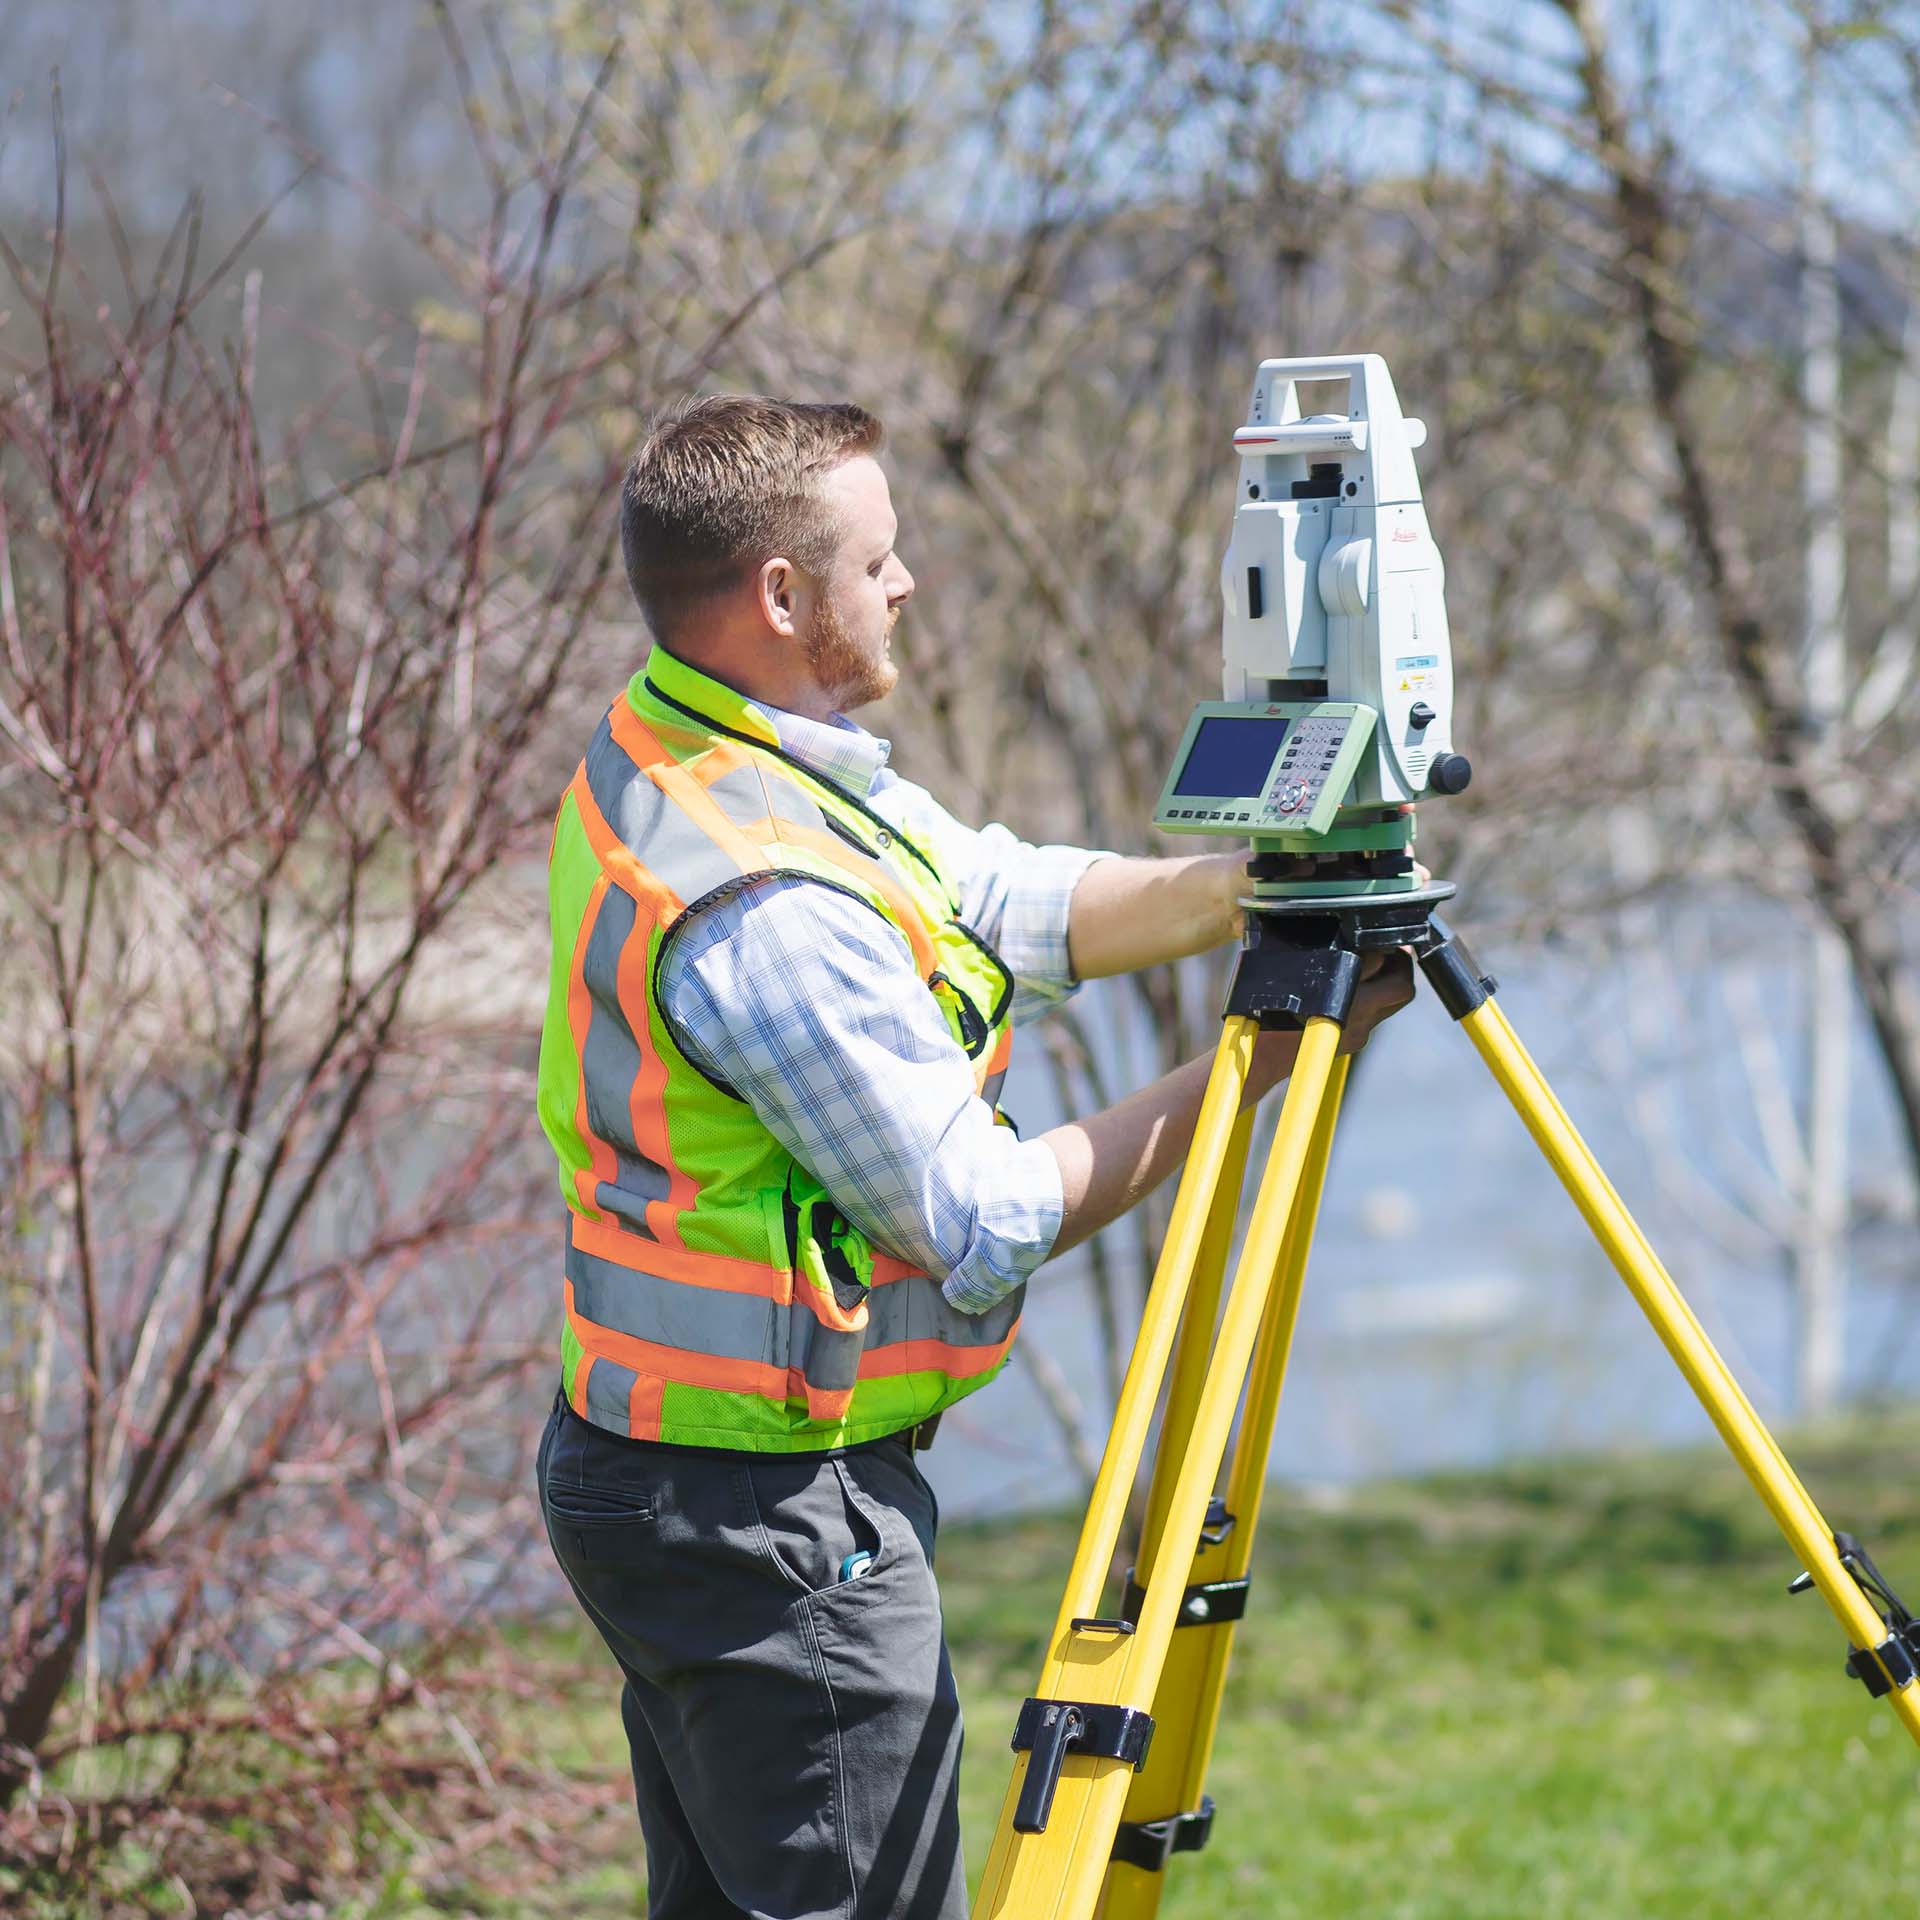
790	1219
849	1288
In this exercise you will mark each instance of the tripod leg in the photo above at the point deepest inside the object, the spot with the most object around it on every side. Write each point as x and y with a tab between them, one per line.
1166	1810
1197	1327
1080	1737
1890	1669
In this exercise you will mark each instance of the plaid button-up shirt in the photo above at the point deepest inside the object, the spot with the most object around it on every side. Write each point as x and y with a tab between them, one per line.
808	1005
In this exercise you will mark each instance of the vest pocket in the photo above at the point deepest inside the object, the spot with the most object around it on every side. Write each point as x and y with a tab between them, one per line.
832	1274
967	1021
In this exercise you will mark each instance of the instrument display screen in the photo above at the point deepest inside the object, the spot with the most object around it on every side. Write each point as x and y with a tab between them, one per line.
1231	755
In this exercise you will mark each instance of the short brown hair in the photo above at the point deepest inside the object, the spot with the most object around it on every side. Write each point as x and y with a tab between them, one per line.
723	483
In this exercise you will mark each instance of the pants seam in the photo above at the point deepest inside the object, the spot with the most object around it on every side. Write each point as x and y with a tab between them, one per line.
837	1787
762	1539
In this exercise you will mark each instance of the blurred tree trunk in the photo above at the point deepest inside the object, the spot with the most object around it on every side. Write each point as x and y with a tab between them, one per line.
1820	1249
1810	782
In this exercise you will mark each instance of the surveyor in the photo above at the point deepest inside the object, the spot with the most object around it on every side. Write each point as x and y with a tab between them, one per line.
784	986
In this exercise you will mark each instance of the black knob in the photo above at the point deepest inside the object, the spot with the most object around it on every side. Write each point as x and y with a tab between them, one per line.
1421	717
1449	773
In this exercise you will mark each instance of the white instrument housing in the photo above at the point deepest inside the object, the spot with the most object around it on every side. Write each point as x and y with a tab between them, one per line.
1332	586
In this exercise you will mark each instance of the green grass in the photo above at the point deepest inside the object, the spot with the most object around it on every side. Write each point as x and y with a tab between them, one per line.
1576	1689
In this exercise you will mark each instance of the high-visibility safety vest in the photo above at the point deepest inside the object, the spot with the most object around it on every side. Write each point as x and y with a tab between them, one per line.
715	1296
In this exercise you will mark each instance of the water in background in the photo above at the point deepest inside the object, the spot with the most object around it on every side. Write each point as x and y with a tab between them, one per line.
1457	1311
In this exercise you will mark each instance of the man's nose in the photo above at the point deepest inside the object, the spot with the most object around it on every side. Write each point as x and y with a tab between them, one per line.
902	589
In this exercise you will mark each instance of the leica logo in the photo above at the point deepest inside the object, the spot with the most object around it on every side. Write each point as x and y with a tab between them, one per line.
1404	536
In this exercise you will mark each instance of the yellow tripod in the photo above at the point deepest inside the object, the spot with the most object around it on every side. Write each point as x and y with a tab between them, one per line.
1112	1750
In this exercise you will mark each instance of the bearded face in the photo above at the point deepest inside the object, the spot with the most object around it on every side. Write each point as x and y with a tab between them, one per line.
849	647
855	600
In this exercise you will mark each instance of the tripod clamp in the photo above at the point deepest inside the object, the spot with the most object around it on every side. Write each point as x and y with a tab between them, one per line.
1051	1729
1301	956
1150	1844
1895	1662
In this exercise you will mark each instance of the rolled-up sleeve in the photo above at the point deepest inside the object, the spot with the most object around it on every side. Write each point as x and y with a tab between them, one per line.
806	1003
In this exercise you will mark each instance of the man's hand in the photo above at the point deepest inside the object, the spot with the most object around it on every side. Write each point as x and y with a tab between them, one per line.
1386	985
1111	1159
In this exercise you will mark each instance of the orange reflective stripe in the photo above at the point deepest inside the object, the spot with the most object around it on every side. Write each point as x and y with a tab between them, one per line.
984	1070
647	1104
601	1164
679	1364
655	904
933	1356
912	922
722	1272
826	1403
643	1406
650	896
712	757
580	1372
828	1311
718	762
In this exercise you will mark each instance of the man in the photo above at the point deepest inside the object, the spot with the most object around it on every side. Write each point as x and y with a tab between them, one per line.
784	983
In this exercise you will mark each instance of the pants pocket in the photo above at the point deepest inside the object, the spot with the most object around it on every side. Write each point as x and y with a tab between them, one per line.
595	1512
814	1522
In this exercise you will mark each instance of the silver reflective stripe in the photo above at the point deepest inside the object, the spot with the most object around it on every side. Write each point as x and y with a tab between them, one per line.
730	1326
910	1308
608	1385
990	1093
609	1066
745	795
902	1310
660	834
829	1358
761	792
744	1326
932	1316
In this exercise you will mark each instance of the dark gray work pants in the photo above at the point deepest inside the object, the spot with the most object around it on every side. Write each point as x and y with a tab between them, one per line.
795	1736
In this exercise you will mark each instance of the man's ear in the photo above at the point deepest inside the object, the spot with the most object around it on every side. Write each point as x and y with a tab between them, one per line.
777	586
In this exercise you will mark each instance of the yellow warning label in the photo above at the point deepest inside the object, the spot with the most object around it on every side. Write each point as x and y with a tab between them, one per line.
1404	685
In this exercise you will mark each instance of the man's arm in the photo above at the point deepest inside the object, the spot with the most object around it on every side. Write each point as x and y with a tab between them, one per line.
1130	913
807	1004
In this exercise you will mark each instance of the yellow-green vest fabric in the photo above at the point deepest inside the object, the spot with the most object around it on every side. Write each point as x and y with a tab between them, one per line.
714	1295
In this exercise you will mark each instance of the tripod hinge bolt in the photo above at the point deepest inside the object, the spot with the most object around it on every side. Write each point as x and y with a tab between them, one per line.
1457	983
